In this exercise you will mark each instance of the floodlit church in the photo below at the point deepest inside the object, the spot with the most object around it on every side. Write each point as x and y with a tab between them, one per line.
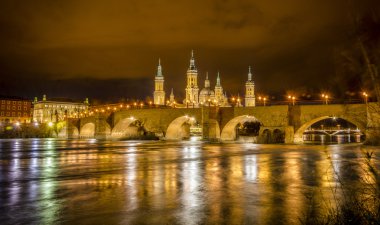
196	98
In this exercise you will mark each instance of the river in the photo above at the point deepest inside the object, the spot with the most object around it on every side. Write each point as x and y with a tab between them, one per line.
49	181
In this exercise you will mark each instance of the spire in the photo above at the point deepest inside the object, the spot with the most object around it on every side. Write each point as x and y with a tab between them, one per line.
159	68
249	74
192	61
218	80
207	82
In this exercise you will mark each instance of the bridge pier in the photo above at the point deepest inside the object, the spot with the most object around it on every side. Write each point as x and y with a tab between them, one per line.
72	129
101	129
210	126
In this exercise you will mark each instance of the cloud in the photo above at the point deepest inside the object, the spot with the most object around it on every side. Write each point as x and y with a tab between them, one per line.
66	39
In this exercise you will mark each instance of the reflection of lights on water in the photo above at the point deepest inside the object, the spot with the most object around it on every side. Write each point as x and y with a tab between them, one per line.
251	168
195	138
191	183
92	141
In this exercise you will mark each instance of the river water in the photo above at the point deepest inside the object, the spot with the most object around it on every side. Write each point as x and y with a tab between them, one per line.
48	181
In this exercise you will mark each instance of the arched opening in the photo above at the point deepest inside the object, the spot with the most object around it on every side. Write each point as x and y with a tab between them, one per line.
183	128
265	137
87	130
330	130
243	128
278	136
128	128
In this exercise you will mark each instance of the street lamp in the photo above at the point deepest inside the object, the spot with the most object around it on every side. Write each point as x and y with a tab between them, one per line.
264	99
326	97
292	98
365	95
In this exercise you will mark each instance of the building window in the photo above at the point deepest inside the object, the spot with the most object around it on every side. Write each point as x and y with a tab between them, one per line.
8	102
3	107
25	114
2	113
25	103
19	114
13	114
14	102
25	108
19	107
13	107
2	101
8	113
19	103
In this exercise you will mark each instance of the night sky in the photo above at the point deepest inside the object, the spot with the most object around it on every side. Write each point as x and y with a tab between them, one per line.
109	50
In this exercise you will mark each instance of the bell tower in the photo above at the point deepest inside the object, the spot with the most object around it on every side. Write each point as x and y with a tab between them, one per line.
159	93
192	90
250	90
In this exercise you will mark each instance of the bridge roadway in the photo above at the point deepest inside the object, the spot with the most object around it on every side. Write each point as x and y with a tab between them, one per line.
279	122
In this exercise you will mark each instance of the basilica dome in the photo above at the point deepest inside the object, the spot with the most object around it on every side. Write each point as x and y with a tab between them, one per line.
206	92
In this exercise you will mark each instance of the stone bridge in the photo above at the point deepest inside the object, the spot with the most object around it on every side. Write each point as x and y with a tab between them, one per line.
288	122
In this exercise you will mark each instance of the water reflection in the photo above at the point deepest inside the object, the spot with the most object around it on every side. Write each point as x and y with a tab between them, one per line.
92	182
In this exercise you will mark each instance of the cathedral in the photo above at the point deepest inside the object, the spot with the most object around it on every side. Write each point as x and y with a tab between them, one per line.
206	96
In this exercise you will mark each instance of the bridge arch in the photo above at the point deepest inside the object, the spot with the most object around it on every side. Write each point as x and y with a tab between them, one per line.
125	128
298	135
87	130
229	130
179	128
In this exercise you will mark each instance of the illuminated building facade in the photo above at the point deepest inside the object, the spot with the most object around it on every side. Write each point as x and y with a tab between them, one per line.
206	93
57	110
192	90
159	93
216	97
250	90
14	109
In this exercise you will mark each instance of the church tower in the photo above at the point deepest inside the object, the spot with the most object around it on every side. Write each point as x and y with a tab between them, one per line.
250	91
192	89
219	96
159	93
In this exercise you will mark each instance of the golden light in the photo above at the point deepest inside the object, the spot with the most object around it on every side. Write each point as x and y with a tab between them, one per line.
121	106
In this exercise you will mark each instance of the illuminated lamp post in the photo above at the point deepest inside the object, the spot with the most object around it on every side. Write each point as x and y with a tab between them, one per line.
326	98
365	95
292	98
